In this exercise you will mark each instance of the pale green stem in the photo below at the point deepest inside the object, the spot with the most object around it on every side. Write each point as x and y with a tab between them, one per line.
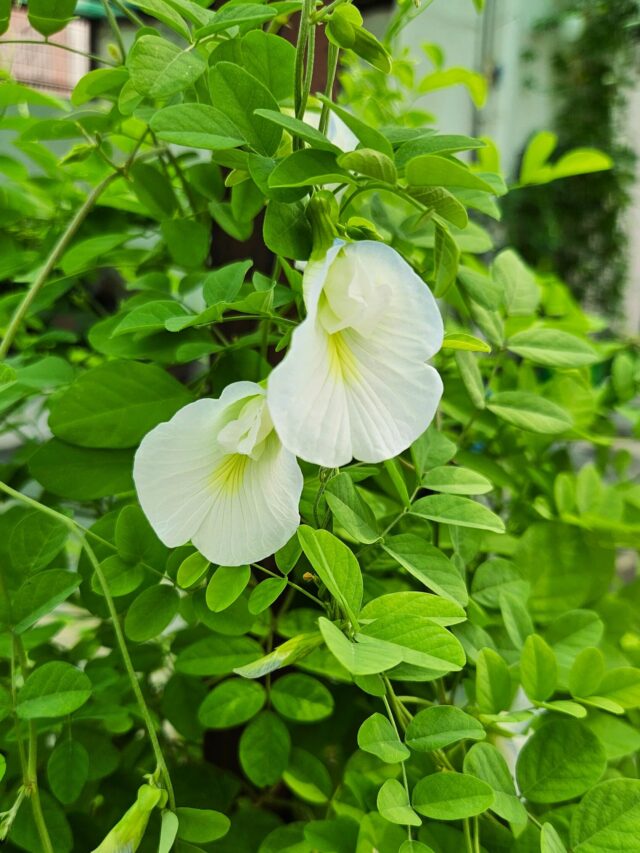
115	28
66	47
332	67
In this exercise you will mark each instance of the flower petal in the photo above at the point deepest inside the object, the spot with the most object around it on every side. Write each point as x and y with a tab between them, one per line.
255	511
234	508
364	390
173	467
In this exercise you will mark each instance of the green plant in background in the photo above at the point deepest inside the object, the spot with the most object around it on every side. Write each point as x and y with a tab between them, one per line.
442	657
563	228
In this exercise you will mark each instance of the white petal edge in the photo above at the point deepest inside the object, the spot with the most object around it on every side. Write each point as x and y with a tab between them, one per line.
391	395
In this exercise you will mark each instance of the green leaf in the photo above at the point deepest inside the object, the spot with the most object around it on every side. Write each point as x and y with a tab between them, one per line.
462	341
429	565
236	15
231	703
622	686
188	242
441	725
393	804
164	13
201	826
442	202
196	126
550	841
271	60
68	770
456	481
441	611
538	668
285	654
134	537
151	612
607	818
377	736
191	569
217	655
367	135
168	832
570	633
300	129
367	161
366	656
308	166
494	689
120	576
419	642
586	672
446	256
495	576
552	348
54	689
336	566
471	377
517	621
50	16
307	777
351	511
451	796
149	317
485	762
287	231
238	95
462	512
412	846
301	698
517	283
226	585
40	595
430	170
432	449
264	750
474	82
98	83
160	68
560	761
530	412
116	404
265	593
36	540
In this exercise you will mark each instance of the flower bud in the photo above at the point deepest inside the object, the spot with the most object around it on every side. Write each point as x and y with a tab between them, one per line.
130	829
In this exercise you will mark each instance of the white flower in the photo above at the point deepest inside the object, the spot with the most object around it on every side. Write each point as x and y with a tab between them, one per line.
354	382
217	474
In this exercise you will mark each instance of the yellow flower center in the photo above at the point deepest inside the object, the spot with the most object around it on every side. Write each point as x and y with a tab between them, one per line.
229	475
342	362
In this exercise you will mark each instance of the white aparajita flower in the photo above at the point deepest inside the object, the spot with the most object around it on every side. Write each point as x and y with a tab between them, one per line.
354	382
218	475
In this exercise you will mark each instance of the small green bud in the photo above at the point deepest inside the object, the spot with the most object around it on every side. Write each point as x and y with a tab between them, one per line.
322	212
130	829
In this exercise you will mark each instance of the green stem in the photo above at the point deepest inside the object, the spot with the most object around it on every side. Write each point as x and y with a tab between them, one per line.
74	527
289	583
476	835
30	777
133	678
332	68
115	28
300	78
66	47
59	249
128	13
467	836
61	246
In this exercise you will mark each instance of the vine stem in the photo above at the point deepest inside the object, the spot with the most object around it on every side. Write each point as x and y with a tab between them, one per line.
63	242
332	68
120	639
66	47
302	80
59	249
133	678
31	776
28	765
115	28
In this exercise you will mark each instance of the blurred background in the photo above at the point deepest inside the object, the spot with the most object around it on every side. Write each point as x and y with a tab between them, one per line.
536	78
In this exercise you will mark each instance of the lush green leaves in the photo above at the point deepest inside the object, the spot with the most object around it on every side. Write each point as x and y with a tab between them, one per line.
54	689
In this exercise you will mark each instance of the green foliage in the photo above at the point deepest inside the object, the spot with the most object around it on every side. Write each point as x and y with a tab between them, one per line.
367	686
